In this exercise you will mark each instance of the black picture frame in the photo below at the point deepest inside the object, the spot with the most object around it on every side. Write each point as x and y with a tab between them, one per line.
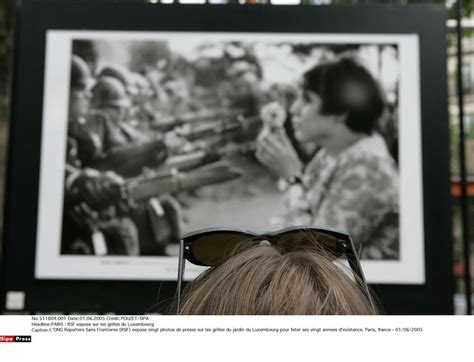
132	297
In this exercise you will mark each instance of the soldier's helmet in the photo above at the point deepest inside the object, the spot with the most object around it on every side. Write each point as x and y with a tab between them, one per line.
121	74
110	92
80	73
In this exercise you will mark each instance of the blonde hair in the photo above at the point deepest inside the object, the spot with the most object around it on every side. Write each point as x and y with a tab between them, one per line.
261	280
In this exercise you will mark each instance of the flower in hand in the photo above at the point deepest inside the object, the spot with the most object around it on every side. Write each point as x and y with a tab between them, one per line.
275	151
273	115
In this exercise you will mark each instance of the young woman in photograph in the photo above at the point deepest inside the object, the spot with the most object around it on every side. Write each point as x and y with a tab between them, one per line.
351	183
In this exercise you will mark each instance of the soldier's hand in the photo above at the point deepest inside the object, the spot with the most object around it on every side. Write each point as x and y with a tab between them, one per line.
99	189
90	142
176	143
82	214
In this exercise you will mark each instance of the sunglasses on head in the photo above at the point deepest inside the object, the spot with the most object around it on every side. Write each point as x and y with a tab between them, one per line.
211	247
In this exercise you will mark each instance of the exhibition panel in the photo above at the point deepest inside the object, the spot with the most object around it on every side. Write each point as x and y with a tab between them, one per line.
198	88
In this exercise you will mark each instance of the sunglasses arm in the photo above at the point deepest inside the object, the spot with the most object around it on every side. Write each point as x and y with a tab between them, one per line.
354	263
181	266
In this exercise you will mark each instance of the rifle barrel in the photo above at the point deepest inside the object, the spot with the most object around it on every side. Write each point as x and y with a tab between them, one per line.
211	174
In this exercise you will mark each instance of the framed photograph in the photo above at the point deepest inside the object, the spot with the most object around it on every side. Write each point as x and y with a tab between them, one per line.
147	130
208	92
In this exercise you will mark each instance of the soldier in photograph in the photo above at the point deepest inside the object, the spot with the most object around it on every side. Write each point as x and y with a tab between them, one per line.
90	224
157	220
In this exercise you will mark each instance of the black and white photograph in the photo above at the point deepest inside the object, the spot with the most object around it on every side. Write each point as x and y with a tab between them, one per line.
149	135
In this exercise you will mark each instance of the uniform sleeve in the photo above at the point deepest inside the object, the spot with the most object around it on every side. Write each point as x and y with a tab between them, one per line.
89	137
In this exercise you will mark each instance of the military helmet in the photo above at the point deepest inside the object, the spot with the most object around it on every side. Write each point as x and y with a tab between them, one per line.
80	73
110	92
121	74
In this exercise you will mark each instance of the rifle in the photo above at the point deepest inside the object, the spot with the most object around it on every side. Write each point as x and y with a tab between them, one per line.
129	160
165	124
188	161
236	127
146	187
156	183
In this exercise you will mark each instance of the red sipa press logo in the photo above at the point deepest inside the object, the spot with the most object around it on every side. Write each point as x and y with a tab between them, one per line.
12	339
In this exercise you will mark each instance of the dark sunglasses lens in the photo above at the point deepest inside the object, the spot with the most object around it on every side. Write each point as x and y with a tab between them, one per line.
211	249
307	239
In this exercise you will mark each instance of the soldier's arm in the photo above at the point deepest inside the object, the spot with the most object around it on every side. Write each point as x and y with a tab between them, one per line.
89	140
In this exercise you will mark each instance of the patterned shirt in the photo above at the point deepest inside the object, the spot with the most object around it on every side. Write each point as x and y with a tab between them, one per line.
355	191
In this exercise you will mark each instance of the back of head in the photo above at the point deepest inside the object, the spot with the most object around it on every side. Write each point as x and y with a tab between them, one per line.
262	281
346	87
